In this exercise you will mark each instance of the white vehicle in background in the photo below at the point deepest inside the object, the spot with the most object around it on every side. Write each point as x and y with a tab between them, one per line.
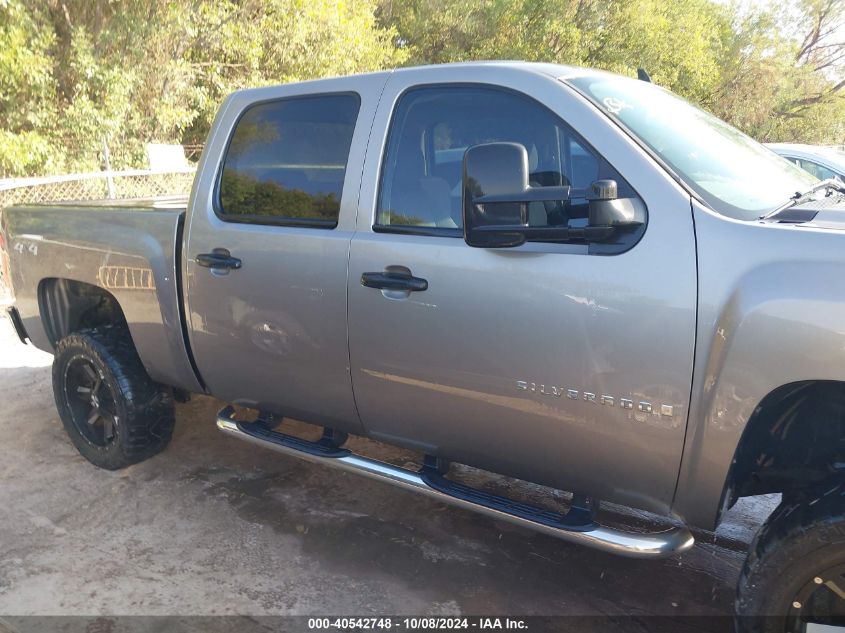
822	162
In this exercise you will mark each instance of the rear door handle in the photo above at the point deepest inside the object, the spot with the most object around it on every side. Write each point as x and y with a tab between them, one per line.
220	259
393	281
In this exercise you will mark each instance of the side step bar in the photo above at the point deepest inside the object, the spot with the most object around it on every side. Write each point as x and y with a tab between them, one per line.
428	482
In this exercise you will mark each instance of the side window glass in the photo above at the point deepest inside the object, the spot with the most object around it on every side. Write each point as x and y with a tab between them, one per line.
432	127
583	164
286	161
819	171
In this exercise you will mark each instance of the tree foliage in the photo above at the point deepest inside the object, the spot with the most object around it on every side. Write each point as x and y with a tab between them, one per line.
776	73
265	197
77	73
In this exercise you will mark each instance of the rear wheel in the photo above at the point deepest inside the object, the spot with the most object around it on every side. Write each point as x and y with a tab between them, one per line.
114	413
794	576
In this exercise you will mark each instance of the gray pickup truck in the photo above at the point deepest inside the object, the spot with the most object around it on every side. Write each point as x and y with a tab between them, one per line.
560	275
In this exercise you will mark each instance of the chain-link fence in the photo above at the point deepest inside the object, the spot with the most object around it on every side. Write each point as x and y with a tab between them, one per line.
96	186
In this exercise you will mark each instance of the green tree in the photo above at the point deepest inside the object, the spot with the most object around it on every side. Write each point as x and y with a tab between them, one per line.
775	73
27	94
77	72
678	41
74	73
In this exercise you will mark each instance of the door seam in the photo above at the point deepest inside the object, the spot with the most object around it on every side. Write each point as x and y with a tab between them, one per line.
349	247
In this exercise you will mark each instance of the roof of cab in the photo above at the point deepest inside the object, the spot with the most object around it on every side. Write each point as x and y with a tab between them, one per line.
540	68
557	71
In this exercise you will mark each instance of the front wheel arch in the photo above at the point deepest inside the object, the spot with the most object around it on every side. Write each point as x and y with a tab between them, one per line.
794	441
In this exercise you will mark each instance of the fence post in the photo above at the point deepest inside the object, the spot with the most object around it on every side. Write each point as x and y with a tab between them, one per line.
107	161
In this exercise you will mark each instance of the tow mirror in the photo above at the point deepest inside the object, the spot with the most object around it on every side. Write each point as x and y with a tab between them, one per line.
496	195
491	170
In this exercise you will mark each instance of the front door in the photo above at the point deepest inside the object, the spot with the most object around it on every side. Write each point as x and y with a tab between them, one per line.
563	364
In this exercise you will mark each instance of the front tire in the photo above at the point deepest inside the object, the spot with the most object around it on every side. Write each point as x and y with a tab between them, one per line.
113	412
795	570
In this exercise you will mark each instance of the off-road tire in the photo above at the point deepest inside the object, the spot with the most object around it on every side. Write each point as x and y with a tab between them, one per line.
804	536
144	409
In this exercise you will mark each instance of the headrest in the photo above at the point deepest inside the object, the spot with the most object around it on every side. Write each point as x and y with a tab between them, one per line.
410	164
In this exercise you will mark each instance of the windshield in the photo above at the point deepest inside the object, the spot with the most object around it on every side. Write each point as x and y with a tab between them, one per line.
732	172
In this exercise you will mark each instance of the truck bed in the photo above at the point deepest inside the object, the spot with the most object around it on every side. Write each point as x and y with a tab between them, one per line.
167	203
129	248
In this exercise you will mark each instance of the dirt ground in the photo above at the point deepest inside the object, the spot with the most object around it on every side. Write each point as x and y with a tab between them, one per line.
213	526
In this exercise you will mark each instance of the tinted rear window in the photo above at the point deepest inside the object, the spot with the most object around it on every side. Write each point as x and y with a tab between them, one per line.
287	159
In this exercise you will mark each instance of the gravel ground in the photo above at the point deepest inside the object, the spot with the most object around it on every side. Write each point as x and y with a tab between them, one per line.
213	526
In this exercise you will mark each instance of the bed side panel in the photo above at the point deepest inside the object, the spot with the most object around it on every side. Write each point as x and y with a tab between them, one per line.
130	254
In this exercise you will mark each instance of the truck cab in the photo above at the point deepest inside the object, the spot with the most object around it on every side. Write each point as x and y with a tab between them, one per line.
476	367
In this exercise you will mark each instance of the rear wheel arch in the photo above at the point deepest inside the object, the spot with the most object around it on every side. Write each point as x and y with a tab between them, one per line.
68	306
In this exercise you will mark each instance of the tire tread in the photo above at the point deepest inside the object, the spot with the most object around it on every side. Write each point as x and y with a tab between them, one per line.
798	528
149	417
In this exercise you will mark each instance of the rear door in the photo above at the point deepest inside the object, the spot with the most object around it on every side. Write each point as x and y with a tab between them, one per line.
268	243
564	364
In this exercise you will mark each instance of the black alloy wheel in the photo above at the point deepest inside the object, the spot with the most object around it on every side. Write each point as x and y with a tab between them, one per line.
820	601
90	402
